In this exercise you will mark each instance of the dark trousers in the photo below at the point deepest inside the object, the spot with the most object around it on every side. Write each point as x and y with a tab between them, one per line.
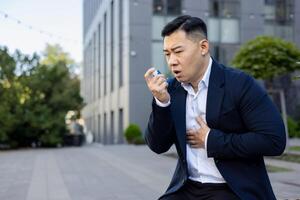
193	190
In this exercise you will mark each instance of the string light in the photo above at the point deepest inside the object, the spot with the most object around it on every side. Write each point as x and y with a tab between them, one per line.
33	28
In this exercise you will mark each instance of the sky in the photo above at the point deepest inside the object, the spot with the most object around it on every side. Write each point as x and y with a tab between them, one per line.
62	19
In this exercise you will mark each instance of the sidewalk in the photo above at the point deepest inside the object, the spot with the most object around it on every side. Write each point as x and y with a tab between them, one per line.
96	172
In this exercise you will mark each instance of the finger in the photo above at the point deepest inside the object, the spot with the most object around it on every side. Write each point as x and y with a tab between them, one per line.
149	73
190	134
191	131
165	84
200	121
160	80
191	137
195	146
190	141
162	87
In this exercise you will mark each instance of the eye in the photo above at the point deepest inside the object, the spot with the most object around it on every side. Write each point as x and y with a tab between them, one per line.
177	52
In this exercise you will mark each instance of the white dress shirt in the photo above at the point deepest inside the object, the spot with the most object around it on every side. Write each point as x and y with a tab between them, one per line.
200	167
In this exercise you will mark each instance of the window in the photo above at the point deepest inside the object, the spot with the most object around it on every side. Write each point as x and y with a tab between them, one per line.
120	43
99	60
279	18
104	52
112	46
167	7
121	126
226	9
94	70
99	128
223	24
105	129
112	125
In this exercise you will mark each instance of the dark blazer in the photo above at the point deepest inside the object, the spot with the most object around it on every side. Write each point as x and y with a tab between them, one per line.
245	126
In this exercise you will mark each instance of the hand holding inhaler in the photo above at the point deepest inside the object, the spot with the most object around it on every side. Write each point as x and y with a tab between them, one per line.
157	84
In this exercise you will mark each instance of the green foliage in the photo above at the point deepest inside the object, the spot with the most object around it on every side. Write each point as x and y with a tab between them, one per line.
133	134
35	96
294	148
52	139
266	57
294	127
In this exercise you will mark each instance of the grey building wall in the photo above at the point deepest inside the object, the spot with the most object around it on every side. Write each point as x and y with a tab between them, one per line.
117	54
140	15
252	20
106	49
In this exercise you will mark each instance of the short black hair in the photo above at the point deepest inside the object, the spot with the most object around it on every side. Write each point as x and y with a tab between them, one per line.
190	25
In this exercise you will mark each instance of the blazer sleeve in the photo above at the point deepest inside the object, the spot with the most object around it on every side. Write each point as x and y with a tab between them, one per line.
159	134
266	133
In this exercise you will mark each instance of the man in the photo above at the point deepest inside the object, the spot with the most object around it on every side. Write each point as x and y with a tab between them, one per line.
220	120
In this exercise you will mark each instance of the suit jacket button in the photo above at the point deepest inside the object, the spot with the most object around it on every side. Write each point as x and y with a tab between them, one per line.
216	160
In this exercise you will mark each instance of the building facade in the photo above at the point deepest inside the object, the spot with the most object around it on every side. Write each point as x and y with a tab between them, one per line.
122	40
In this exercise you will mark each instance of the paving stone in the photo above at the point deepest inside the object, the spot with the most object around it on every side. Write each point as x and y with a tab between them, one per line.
97	172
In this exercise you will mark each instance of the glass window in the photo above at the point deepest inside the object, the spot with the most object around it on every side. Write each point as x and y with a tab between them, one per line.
112	127
99	60
104	51
230	31
112	45
167	7
120	43
121	126
279	18
223	24
173	7
223	30
228	8
213	30
158	7
158	22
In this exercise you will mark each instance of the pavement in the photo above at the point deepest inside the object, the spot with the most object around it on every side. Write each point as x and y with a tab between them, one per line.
111	172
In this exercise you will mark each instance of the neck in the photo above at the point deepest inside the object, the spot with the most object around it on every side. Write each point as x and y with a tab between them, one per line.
201	73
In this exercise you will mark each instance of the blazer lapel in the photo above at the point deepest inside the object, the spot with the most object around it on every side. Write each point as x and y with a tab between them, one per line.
178	110
215	95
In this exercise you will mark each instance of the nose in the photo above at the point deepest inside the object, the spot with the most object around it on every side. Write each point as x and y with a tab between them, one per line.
172	60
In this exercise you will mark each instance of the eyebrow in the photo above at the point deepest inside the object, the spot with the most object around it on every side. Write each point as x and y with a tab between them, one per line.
173	49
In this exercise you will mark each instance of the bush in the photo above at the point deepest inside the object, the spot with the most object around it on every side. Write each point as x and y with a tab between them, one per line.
293	127
133	134
51	140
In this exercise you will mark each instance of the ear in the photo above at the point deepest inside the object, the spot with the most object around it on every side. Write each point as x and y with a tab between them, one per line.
204	47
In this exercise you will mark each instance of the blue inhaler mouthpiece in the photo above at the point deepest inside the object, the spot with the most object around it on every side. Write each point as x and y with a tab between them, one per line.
156	72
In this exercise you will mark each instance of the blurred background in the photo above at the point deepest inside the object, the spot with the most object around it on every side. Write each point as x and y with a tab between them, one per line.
121	40
72	74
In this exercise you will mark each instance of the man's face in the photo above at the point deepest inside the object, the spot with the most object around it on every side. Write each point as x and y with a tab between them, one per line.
183	56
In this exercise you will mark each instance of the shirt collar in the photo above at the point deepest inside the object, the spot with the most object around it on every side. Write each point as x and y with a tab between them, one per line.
206	76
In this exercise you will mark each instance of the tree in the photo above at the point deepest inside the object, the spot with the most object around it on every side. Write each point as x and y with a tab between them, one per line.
35	96
13	94
57	91
266	57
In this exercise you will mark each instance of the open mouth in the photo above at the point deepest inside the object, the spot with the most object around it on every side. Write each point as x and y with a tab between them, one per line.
176	72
